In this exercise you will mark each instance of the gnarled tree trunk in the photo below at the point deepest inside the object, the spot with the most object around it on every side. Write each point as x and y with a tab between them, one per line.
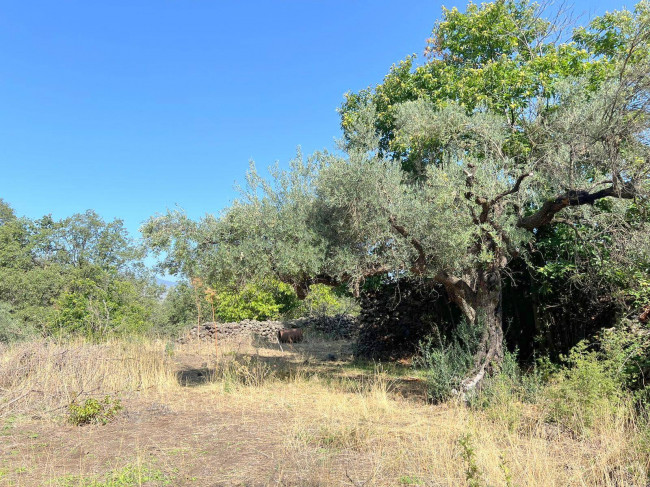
488	315
480	301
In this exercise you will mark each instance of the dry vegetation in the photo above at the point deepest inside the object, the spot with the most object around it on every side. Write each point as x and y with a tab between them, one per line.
268	417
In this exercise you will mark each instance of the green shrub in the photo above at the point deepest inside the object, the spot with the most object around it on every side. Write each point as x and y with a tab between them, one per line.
102	305
447	362
11	328
588	388
256	301
324	300
93	411
627	348
600	380
472	471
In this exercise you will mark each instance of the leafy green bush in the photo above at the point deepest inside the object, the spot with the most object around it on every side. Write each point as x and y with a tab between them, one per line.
590	387
627	348
600	380
447	362
256	301
324	300
93	411
98	303
10	328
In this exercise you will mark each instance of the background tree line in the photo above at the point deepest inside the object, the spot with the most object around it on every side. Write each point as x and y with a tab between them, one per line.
83	275
76	275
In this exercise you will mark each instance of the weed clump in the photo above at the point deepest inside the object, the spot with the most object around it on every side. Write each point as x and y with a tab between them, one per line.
447	360
596	385
92	411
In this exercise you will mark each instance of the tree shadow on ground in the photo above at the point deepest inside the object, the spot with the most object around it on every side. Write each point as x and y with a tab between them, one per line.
330	361
194	377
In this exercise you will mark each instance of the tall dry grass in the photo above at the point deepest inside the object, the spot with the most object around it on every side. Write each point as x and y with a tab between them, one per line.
337	428
47	375
376	437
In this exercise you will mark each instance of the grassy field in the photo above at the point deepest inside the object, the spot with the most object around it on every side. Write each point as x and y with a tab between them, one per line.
260	416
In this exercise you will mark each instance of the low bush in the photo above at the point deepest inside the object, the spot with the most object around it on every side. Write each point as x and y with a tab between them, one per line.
590	387
447	361
93	411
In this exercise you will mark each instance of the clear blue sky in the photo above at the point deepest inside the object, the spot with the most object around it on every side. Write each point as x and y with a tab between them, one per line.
129	108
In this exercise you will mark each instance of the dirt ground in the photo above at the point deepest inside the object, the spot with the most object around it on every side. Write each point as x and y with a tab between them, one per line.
305	415
196	435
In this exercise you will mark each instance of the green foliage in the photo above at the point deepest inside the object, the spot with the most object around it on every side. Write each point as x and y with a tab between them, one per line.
77	275
174	237
609	35
10	328
468	454
323	300
256	301
410	480
591	385
92	411
505	470
447	361
265	234
493	56
577	264
176	310
104	304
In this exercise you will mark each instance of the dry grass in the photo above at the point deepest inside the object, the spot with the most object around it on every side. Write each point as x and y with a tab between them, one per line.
259	416
44	376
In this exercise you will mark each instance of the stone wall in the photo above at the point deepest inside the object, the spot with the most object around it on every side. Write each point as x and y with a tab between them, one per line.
264	329
397	316
339	327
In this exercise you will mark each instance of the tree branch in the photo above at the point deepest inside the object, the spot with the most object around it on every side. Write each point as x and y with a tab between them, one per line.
550	208
513	190
459	291
420	263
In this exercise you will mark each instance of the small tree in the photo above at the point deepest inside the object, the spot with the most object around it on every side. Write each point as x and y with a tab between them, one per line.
197	286
211	297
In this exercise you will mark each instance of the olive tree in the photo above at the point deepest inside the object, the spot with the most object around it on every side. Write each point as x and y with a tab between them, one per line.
449	169
503	132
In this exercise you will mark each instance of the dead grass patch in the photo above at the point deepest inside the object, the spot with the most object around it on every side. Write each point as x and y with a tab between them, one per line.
260	416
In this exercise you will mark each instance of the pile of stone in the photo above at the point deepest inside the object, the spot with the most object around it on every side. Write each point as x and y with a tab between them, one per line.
337	327
396	317
267	330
